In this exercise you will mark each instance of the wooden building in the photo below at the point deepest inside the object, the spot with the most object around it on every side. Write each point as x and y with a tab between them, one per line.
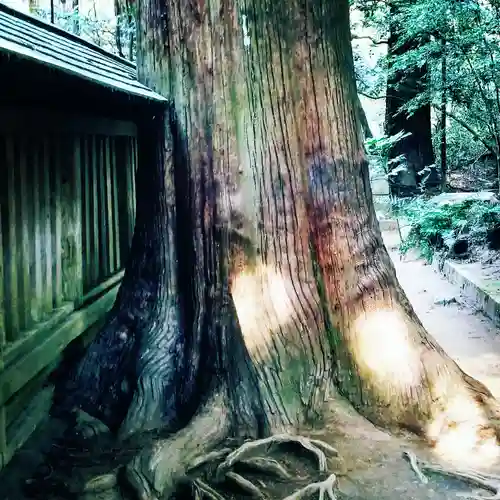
68	152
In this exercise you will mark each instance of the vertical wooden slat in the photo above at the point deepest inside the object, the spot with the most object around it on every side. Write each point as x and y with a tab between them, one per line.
57	229
3	423
123	187
24	219
86	203
10	251
109	208
37	283
134	169
45	216
71	210
116	220
95	212
3	337
103	217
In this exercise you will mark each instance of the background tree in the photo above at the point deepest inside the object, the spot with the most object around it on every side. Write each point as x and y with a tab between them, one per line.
258	282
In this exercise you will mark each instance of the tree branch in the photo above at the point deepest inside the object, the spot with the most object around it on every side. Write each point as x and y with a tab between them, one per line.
467	127
374	42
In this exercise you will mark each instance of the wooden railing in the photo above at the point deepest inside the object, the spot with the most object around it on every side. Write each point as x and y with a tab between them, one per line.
67	209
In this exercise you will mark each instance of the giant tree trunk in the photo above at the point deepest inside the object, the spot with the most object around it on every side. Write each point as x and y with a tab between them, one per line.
258	280
415	151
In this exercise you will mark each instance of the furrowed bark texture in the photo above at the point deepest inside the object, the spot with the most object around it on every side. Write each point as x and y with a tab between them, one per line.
280	286
327	307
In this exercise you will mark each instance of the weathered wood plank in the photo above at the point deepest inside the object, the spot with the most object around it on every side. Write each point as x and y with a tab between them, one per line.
3	419
37	409
16	404
3	337
37	285
71	215
12	319
103	218
116	218
95	211
133	152
46	217
86	203
110	240
23	219
102	287
16	350
123	187
57	229
15	376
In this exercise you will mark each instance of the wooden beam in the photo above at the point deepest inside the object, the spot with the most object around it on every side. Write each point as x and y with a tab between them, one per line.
37	409
24	218
116	217
110	240
3	419
46	217
95	211
103	213
86	193
37	283
15	120
57	225
11	247
22	370
71	224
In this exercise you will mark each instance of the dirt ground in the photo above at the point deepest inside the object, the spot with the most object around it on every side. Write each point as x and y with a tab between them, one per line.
371	465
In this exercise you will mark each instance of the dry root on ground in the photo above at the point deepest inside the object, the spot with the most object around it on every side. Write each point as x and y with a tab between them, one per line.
485	481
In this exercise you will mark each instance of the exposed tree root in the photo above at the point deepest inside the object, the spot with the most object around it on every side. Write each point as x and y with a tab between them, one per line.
315	446
490	482
269	466
321	487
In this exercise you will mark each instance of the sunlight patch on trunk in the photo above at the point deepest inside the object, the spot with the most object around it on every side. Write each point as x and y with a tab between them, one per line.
461	433
262	303
383	347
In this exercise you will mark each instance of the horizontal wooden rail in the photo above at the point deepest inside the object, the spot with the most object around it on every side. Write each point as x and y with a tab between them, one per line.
16	375
15	120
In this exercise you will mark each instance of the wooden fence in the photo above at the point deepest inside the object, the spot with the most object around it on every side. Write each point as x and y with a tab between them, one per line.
67	209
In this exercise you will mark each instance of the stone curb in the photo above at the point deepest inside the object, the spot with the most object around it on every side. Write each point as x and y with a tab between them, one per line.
473	288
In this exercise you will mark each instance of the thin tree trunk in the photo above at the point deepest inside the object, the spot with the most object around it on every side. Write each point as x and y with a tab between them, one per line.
443	118
415	150
118	30
364	121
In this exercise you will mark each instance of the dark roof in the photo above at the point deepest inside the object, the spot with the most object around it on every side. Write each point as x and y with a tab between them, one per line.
32	38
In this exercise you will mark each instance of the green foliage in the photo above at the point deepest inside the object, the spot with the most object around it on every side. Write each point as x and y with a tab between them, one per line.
434	227
471	48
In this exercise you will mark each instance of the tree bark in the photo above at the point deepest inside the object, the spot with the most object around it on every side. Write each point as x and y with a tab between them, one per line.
258	283
415	151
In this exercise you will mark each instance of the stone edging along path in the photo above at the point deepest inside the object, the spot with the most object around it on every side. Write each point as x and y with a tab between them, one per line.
481	293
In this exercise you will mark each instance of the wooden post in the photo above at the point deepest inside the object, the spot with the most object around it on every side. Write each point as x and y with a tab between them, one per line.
86	193
3	439
95	212
10	251
46	217
71	222
116	219
103	217
123	187
133	155
37	283
24	219
57	229
109	208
